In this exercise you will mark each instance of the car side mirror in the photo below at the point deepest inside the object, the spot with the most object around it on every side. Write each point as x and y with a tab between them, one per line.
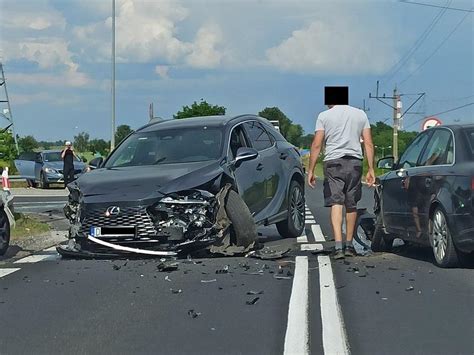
386	163
96	163
244	154
84	160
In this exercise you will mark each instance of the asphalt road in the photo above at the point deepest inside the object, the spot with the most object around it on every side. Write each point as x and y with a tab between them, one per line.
49	305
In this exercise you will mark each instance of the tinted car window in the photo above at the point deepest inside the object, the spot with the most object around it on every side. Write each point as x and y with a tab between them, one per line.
439	150
470	139
258	136
31	156
168	146
237	140
410	157
54	156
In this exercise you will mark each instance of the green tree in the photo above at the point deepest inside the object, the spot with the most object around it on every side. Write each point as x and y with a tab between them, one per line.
306	140
122	132
290	131
382	135
200	109
99	146
81	142
7	150
27	144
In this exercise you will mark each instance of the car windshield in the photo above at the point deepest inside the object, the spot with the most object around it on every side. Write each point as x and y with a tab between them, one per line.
54	156
167	147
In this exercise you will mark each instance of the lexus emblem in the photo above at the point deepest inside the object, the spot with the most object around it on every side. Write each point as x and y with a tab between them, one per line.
112	211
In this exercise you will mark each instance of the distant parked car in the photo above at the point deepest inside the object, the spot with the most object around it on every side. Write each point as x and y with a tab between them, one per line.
45	168
427	197
4	222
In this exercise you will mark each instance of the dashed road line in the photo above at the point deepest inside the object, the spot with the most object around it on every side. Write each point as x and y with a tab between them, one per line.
311	247
7	271
37	257
318	233
302	239
297	331
334	333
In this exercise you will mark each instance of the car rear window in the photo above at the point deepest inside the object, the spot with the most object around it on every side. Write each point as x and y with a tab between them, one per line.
470	138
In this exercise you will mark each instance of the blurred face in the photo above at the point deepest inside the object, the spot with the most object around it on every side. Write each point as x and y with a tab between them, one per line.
68	146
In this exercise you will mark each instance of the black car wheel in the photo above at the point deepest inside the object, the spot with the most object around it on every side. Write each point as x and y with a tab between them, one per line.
293	226
441	241
4	232
43	183
381	241
243	230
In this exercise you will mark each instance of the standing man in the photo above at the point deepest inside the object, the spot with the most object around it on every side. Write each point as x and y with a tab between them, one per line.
340	128
68	158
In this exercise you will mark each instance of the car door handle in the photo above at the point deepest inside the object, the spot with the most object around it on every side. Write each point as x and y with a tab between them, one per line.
259	166
283	156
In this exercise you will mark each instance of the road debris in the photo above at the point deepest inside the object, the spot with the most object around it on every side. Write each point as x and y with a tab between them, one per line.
167	266
167	278
252	302
193	314
392	268
224	270
278	277
267	253
208	281
410	288
253	293
116	267
176	291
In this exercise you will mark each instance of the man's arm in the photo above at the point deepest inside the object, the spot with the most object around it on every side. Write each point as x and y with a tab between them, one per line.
63	153
369	152
316	146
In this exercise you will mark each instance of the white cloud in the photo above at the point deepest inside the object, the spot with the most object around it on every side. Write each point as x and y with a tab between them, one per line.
162	71
31	17
50	98
67	78
146	32
204	53
334	47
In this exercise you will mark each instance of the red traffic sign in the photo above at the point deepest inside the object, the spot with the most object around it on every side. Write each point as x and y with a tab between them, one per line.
431	122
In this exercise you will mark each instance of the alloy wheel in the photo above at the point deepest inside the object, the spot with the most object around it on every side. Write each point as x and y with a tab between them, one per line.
297	208
439	235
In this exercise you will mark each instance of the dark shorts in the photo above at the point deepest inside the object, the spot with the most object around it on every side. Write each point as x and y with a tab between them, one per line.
342	182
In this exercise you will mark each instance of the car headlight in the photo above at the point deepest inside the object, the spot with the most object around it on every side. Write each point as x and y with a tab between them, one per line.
51	171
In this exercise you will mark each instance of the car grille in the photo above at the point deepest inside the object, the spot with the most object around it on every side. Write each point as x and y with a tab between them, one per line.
128	216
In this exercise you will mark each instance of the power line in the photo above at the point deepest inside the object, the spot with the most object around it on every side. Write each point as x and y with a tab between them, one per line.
431	5
399	65
453	99
442	112
436	49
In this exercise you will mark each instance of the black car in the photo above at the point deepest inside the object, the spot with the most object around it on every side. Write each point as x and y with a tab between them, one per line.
176	185
5	217
427	196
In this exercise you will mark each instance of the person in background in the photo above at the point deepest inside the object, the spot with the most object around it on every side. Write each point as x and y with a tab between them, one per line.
68	156
340	128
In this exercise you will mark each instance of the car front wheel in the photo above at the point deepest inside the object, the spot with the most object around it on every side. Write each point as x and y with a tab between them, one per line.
441	241
380	240
293	225
43	182
243	230
4	232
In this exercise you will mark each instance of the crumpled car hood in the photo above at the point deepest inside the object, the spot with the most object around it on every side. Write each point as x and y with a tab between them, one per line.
144	182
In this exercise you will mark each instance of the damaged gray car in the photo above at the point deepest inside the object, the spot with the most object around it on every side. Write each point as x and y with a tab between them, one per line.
177	186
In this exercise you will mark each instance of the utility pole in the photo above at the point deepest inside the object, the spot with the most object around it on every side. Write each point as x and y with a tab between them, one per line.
7	113
397	113
112	140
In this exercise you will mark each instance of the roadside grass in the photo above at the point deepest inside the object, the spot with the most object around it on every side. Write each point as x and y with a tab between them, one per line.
27	226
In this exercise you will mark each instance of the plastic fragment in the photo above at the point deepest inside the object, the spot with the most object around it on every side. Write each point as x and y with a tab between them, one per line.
116	267
176	291
167	266
253	293
410	288
224	270
193	314
252	302
167	278
278	277
208	281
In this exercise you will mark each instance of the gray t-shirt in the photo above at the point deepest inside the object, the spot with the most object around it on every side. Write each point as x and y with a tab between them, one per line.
342	126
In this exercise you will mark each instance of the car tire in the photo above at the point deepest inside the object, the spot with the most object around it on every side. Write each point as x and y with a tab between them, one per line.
43	183
293	225
441	240
380	240
4	232
243	230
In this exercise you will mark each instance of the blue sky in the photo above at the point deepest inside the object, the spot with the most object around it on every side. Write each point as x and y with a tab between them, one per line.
244	55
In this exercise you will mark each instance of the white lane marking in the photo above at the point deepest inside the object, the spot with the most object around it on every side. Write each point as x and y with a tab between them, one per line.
310	221
311	247
5	272
318	233
36	258
302	239
334	333
297	333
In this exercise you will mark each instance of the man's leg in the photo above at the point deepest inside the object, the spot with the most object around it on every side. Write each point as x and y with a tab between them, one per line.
336	222
351	218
